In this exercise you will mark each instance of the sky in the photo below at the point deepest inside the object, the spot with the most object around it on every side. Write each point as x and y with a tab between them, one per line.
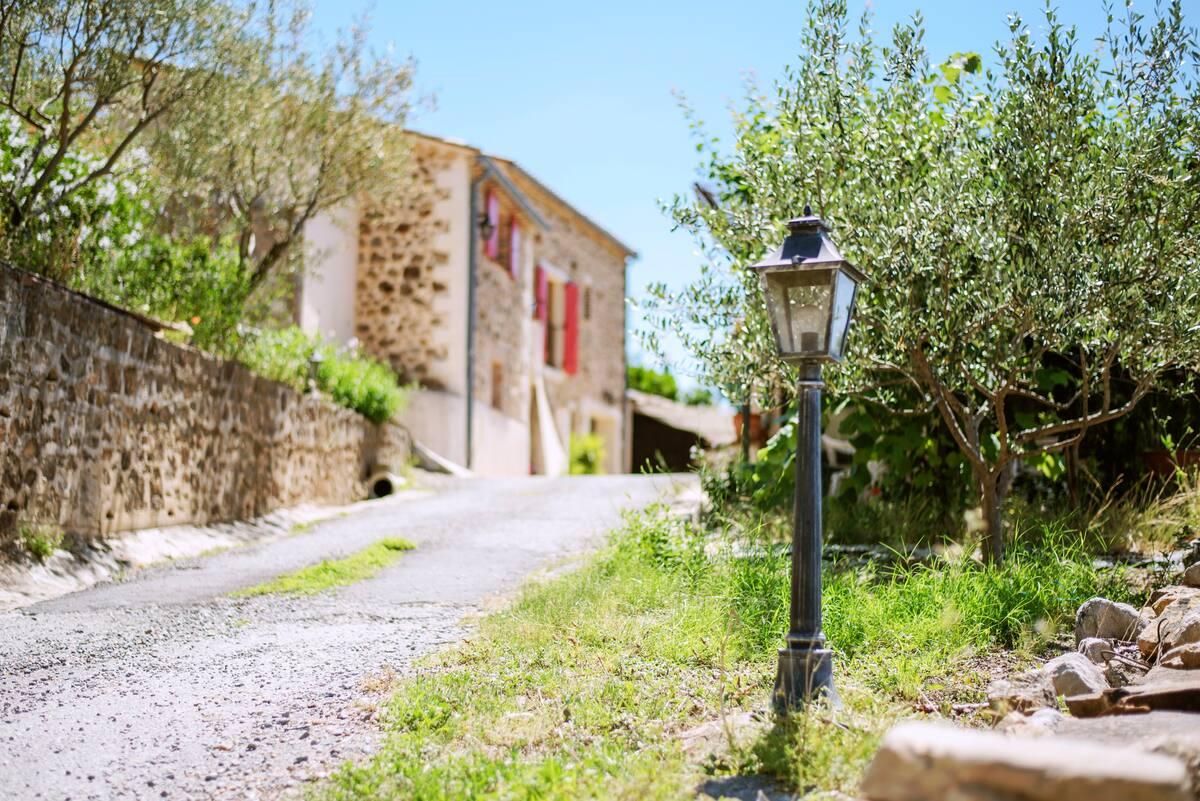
583	95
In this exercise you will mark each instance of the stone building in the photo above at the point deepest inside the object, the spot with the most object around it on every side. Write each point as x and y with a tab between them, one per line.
504	303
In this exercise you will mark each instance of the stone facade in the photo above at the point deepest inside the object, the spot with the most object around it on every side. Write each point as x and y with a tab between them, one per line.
402	275
487	399
105	426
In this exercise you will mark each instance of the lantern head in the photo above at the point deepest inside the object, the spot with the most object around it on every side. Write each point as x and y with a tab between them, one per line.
810	293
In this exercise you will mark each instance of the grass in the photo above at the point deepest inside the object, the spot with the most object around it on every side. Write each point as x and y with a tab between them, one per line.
583	686
331	573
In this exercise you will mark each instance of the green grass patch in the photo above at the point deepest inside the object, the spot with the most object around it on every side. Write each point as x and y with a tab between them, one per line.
331	573
581	689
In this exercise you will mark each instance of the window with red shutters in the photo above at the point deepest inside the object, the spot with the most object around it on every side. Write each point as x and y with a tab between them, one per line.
514	250
492	247
571	334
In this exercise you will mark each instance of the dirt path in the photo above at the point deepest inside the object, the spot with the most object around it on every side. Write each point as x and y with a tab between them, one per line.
162	686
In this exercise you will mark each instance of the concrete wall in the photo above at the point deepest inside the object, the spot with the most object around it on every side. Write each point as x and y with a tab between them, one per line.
105	427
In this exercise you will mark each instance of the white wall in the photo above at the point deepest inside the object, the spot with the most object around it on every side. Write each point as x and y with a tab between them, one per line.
501	443
331	274
436	420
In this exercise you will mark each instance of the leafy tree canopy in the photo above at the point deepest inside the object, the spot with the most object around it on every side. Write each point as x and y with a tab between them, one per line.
1029	231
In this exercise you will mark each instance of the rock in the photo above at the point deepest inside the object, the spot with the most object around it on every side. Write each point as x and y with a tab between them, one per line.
1039	724
1191	576
1163	597
1183	657
931	762
1075	674
736	730
1106	619
1094	649
1026	692
1170	626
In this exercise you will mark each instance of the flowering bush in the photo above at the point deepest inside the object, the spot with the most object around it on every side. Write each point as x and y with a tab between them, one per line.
77	222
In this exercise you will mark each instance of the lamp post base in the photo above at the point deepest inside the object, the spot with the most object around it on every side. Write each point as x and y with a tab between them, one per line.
804	675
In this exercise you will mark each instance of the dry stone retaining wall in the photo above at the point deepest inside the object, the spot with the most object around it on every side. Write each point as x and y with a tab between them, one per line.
106	427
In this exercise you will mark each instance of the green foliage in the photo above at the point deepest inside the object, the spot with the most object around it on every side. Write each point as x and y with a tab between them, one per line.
1037	216
699	396
653	382
587	454
351	380
580	689
330	573
38	540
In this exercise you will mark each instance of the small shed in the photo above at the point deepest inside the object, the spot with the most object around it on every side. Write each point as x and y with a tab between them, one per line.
663	432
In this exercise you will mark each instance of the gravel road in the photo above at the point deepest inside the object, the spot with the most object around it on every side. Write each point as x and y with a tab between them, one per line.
161	686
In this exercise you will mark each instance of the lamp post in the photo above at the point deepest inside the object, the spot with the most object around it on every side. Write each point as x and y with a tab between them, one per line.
810	292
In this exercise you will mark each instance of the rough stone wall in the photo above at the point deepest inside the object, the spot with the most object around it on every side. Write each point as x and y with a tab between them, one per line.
502	309
403	278
106	427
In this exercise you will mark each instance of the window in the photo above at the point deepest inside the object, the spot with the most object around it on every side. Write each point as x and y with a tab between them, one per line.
497	386
492	246
556	305
587	303
514	249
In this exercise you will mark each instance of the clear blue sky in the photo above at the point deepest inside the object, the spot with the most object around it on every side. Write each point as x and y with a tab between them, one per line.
581	93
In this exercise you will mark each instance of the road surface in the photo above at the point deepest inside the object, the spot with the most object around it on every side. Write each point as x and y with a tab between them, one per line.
162	686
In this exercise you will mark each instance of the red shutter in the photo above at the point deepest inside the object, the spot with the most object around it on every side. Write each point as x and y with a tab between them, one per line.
514	251
571	333
493	215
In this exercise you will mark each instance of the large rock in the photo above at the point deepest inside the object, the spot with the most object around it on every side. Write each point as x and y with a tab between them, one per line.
934	762
1163	597
1026	692
1183	657
1074	674
1191	576
1039	724
1107	620
1178	624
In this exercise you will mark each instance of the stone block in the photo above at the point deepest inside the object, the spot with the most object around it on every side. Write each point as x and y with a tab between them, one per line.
935	762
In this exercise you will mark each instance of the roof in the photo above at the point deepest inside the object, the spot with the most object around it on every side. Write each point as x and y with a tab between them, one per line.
711	423
491	163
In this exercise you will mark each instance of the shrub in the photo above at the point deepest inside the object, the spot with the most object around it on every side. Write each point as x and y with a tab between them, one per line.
351	380
587	455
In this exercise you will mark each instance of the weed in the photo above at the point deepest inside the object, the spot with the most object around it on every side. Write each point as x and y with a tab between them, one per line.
39	541
333	573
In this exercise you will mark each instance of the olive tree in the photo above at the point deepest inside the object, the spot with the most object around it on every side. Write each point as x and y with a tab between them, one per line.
284	134
1028	231
70	69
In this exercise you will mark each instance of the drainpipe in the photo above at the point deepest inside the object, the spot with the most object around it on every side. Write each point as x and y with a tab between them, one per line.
472	247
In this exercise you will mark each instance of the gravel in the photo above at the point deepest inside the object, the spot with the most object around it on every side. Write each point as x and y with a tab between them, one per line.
161	686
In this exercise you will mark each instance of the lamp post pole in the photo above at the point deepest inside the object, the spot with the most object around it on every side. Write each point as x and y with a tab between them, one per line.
806	665
809	290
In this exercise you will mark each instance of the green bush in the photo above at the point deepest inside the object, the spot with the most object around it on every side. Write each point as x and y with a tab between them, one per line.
653	382
587	455
351	380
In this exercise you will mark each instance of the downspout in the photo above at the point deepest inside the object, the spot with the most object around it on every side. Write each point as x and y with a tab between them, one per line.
472	247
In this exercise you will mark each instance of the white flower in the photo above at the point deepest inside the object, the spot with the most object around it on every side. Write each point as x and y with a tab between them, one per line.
130	239
107	194
105	243
64	211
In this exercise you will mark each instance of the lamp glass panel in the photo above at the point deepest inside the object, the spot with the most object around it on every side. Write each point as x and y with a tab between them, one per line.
798	302
844	289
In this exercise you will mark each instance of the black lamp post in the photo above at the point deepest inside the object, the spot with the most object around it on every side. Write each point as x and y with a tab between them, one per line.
810	293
